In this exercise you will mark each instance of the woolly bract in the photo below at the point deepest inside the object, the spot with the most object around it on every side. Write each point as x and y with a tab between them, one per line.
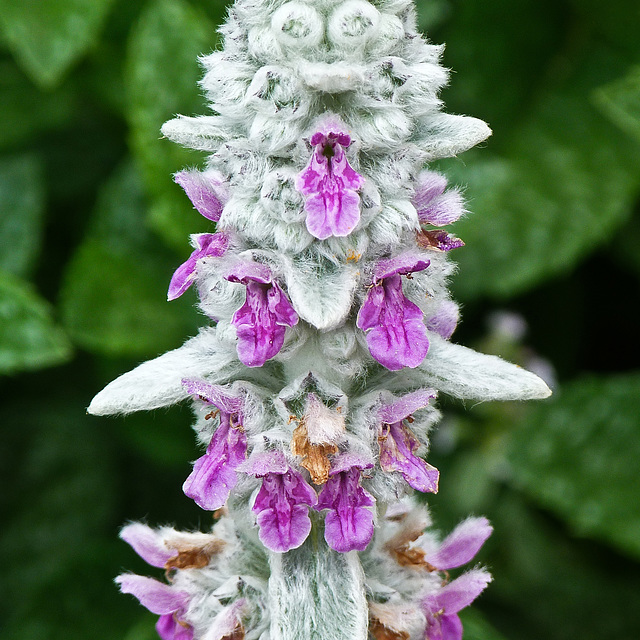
327	336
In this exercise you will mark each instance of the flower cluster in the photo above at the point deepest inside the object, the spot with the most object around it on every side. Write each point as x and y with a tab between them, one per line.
314	383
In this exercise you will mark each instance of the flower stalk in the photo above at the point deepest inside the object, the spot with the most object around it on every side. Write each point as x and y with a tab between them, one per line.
328	337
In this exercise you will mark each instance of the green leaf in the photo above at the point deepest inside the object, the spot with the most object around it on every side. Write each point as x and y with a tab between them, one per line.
48	36
620	101
161	78
29	338
21	212
114	291
19	124
562	187
577	455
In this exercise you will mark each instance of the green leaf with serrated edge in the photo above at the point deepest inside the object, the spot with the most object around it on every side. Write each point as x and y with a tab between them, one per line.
620	102
21	212
113	296
578	455
29	337
24	111
561	188
161	77
48	36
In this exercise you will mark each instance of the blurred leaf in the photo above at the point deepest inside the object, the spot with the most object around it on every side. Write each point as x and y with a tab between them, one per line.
578	455
21	212
29	338
161	77
114	292
549	586
23	111
476	627
620	101
562	187
48	36
59	547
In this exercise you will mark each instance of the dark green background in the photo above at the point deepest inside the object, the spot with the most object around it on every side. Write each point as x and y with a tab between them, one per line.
92	227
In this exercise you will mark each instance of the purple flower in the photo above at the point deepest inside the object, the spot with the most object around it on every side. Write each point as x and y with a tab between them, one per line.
461	545
396	335
445	319
163	600
398	443
205	245
441	608
348	524
205	190
282	502
261	322
148	544
438	240
433	205
329	185
214	474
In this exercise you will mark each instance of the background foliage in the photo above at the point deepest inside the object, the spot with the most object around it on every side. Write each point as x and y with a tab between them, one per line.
92	227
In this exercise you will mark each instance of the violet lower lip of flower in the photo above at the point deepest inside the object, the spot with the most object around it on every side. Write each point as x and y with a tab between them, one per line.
461	545
329	185
348	524
398	443
200	191
282	503
147	544
205	245
262	321
441	609
214	474
395	331
163	600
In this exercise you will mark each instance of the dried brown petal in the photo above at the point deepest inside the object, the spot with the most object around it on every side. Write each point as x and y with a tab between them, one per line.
315	457
236	634
389	622
194	557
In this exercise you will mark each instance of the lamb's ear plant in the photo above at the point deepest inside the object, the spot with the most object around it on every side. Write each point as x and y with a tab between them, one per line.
327	340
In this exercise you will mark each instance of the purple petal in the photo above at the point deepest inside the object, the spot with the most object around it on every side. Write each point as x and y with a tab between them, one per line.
329	185
403	264
461	545
348	524
445	320
433	205
169	628
451	627
157	597
438	240
396	335
205	245
403	407
214	394
246	272
283	520
349	529
347	460
397	444
462	591
285	528
260	323
182	278
227	621
204	192
147	543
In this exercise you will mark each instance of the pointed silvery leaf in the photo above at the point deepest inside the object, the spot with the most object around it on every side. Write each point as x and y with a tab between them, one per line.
204	133
158	383
467	374
321	294
444	135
